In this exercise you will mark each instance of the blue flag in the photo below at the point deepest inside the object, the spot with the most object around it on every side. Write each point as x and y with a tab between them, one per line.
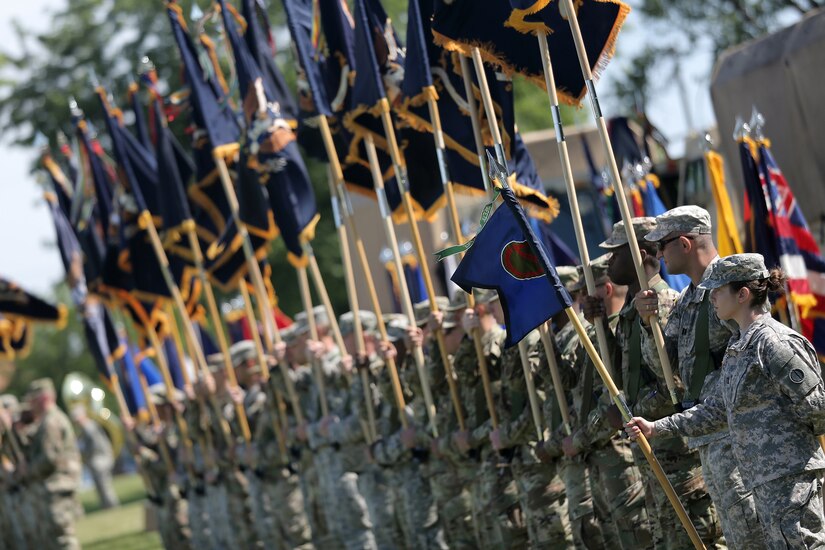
506	256
503	33
299	18
141	129
261	45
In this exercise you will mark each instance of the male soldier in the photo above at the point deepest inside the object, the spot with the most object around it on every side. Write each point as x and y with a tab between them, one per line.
171	508
541	491
54	465
586	527
496	507
695	340
616	482
98	456
449	470
404	452
337	440
647	392
11	529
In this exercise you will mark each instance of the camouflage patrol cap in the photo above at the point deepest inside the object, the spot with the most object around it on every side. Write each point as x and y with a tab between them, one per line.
683	220
641	227
599	268
160	396
458	303
215	362
396	324
485	295
242	351
39	386
302	325
568	275
369	322
290	334
736	268
422	309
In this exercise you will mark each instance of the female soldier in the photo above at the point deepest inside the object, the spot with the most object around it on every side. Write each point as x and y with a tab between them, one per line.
771	399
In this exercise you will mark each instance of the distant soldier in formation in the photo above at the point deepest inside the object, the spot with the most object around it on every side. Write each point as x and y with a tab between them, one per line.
98	456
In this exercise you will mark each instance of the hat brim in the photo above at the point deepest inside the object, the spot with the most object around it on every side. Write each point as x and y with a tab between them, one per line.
657	234
611	245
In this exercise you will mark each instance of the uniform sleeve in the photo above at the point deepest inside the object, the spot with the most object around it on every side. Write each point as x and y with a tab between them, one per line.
52	449
791	362
669	316
705	418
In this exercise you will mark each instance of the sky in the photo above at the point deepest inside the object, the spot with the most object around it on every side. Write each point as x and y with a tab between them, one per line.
26	228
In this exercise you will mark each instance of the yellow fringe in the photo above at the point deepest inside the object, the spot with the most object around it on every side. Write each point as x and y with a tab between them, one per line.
517	19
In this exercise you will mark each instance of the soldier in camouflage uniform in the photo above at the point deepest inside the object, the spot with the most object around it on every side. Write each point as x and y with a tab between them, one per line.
171	507
496	508
615	481
449	471
695	340
771	399
54	466
12	534
404	452
96	451
647	392
338	443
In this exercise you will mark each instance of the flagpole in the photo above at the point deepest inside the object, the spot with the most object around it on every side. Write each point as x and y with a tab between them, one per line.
523	352
273	335
658	337
306	298
163	446
349	221
217	324
274	404
145	222
572	197
473	108
546	333
352	295
643	443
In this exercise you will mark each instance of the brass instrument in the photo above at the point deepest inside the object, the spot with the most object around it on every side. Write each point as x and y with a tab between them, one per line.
78	389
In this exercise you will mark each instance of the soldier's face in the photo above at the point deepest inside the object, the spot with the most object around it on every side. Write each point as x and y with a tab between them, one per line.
620	266
725	301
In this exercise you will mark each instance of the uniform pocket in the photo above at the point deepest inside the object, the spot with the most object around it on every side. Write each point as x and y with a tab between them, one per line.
804	525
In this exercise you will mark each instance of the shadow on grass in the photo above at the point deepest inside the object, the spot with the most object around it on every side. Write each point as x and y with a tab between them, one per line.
132	541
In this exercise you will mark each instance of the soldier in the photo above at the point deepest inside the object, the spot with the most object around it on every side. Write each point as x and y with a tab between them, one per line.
54	466
615	480
449	471
647	392
165	491
337	441
96	451
695	340
404	453
12	534
771	399
496	508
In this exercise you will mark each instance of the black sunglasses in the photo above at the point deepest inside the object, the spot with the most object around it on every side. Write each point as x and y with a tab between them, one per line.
661	245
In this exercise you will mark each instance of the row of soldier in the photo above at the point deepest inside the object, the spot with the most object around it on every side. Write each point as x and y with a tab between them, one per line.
320	478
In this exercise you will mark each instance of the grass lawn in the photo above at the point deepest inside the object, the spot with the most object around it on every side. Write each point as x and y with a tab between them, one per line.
121	527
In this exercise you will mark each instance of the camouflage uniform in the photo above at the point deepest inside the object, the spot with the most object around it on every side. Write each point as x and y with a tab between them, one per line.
734	503
449	474
541	490
773	402
615	481
96	451
55	467
338	458
648	396
415	508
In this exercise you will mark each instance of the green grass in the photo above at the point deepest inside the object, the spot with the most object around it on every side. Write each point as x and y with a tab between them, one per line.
121	527
129	488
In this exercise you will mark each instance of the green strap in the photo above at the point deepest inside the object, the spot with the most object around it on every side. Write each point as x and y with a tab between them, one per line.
703	363
634	369
587	392
458	249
